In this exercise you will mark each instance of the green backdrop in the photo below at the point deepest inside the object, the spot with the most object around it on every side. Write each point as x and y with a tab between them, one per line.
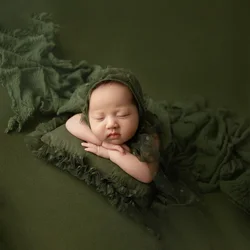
177	49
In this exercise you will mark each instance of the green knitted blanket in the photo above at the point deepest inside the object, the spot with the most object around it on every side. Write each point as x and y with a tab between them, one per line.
212	145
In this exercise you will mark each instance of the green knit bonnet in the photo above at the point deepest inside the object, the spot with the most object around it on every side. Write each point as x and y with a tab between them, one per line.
116	75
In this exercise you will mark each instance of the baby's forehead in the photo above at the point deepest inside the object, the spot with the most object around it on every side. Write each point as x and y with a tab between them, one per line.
111	87
111	94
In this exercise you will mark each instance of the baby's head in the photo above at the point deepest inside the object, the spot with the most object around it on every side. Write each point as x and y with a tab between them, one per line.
115	106
113	113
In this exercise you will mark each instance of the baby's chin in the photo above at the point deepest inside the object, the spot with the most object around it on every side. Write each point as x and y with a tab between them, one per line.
115	141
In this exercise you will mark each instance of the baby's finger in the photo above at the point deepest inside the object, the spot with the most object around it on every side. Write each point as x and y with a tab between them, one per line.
91	150
119	148
125	147
84	144
87	144
113	147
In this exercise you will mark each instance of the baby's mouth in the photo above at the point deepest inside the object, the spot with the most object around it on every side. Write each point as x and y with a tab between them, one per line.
113	135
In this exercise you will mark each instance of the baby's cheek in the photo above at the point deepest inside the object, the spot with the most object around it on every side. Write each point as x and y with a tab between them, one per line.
99	133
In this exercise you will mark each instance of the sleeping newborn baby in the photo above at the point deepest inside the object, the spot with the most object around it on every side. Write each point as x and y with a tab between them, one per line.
115	124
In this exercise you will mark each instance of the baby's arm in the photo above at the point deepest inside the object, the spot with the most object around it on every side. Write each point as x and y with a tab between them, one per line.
81	130
142	171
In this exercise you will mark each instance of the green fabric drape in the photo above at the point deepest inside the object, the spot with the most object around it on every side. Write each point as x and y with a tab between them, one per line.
212	145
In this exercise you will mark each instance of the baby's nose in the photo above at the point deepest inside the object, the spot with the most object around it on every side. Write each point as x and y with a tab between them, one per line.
111	123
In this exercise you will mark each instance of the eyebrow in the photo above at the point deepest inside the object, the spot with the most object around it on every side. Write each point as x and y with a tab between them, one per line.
97	112
116	108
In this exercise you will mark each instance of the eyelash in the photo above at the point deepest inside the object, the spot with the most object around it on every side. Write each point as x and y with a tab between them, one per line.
120	116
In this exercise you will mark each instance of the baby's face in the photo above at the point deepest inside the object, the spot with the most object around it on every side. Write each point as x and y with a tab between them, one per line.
113	116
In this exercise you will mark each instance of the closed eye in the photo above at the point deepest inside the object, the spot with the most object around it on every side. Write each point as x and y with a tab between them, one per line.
99	118
123	115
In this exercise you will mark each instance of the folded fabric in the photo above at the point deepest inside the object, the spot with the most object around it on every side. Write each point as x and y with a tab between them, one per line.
212	145
36	80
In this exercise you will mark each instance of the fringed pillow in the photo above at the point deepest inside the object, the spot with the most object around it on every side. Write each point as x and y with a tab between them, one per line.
53	143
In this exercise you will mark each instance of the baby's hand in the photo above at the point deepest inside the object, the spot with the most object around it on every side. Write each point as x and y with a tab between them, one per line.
97	150
110	146
125	147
